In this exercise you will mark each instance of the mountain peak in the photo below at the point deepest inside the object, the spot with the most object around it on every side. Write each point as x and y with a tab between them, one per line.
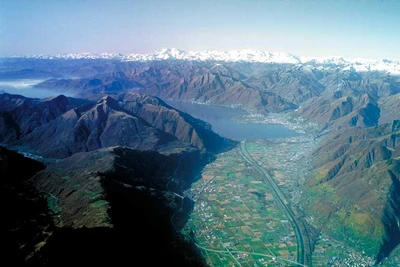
109	101
245	55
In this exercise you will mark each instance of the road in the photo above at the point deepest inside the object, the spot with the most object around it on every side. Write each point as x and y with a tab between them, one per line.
230	252
282	199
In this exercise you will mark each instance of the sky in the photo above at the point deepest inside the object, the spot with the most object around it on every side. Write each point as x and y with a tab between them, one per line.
316	28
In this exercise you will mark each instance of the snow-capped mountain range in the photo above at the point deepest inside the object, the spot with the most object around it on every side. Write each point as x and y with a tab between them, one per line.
248	55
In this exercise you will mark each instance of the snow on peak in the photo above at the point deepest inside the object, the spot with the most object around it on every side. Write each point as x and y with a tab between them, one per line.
246	55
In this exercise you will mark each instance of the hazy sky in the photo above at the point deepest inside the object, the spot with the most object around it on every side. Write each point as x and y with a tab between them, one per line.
355	28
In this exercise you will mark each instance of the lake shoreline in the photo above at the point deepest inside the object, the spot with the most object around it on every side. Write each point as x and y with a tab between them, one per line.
232	122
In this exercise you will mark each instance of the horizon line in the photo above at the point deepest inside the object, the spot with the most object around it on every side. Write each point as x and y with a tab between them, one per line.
193	52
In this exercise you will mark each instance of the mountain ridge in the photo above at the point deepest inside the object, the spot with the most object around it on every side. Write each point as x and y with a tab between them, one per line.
245	55
62	126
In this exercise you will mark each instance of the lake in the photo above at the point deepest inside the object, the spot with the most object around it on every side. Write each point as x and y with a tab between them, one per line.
25	87
221	119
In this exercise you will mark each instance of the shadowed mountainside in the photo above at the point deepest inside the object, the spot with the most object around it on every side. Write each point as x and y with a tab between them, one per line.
25	220
85	208
20	115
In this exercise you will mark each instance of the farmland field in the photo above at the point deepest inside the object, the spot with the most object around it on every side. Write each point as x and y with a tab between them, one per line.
239	217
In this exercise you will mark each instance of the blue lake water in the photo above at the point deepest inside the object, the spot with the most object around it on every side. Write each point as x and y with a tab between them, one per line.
25	87
221	119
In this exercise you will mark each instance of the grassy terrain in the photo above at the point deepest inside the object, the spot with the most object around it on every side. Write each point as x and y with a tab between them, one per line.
237	214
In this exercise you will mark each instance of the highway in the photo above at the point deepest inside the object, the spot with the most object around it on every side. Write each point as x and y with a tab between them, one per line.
282	199
230	252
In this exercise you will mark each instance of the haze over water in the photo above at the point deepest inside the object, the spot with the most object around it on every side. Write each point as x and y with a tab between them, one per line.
26	87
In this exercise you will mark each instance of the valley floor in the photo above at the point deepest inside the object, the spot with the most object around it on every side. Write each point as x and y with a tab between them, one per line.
238	217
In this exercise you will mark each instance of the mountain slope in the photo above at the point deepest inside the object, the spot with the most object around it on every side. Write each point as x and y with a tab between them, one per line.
19	115
105	124
342	111
165	118
136	121
211	86
295	84
352	192
185	81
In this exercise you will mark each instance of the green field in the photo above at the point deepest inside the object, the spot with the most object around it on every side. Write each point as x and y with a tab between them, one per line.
238	217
